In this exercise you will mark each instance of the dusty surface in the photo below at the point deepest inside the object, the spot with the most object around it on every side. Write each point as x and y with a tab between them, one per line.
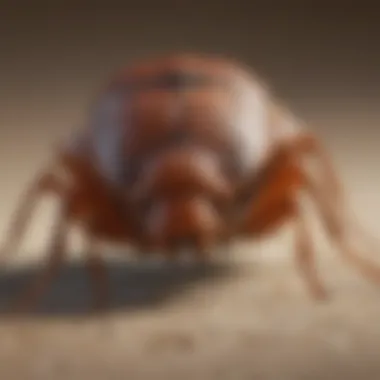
253	323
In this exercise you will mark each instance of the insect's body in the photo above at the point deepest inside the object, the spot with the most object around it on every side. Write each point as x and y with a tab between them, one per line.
188	149
184	127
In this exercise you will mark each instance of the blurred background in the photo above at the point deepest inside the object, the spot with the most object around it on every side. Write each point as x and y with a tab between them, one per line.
323	60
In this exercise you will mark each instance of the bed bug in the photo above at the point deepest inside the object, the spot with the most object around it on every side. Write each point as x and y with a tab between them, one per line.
187	149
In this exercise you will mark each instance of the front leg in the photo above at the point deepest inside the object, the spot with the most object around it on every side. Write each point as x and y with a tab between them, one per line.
274	201
44	184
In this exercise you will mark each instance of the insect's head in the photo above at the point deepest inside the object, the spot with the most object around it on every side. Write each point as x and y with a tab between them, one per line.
181	195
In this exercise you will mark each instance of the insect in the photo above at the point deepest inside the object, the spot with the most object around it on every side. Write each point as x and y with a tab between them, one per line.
186	149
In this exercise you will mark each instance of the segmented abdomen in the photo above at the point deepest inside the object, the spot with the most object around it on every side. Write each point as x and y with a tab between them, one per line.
161	104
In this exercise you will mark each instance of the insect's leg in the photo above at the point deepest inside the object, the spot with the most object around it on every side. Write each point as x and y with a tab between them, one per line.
98	276
336	227
305	257
22	215
329	198
30	297
333	188
268	199
308	145
277	212
274	203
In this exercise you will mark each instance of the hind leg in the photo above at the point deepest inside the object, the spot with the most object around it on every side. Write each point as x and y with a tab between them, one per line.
337	228
38	288
328	196
47	183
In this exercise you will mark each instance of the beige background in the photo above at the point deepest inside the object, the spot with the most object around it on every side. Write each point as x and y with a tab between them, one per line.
324	62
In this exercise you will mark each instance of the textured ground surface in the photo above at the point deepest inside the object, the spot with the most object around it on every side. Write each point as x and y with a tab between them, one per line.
255	323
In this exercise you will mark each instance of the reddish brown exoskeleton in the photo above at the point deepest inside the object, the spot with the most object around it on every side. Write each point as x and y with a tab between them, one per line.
187	149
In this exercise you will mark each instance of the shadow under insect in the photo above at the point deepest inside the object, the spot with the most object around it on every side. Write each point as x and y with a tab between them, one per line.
133	285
